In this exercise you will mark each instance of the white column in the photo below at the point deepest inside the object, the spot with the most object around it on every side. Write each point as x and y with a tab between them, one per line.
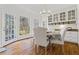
77	21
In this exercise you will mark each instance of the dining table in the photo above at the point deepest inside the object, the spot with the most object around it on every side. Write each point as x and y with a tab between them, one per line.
53	36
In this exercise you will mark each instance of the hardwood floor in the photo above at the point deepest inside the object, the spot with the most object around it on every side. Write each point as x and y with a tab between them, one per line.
22	47
25	47
71	48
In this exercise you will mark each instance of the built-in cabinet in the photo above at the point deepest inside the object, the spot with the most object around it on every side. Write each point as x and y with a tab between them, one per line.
71	36
67	17
62	18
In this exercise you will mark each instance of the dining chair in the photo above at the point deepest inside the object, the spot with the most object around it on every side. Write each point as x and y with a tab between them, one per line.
59	37
40	35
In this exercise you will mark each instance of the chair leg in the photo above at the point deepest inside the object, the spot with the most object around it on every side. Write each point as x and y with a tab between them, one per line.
33	47
37	49
46	51
51	49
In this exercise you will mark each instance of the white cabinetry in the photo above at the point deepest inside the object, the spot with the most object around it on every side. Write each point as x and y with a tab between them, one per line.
71	36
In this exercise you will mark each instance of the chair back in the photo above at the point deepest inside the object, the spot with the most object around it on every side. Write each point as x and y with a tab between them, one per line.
40	35
59	37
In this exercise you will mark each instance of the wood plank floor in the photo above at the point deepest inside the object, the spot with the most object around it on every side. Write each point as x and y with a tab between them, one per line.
22	47
71	48
25	47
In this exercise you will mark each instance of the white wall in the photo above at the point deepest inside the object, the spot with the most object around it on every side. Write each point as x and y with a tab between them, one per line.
20	11
17	11
0	30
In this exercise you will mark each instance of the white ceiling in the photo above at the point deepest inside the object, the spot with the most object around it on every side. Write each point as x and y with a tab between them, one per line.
39	7
36	8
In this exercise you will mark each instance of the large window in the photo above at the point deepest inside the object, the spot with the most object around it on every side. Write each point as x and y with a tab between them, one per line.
24	26
9	27
71	14
62	16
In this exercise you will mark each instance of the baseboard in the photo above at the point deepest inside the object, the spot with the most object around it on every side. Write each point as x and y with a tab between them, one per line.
17	40
2	49
71	42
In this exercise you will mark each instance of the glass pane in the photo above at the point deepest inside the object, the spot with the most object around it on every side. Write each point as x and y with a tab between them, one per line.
62	16
71	14
24	26
9	27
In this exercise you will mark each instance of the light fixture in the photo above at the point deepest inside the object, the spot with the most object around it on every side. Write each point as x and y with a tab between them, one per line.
45	11
49	11
62	26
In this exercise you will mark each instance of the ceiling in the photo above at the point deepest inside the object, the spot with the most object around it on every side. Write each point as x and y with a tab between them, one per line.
36	8
39	7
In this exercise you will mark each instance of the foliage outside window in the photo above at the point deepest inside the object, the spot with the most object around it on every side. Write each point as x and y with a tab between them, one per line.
24	26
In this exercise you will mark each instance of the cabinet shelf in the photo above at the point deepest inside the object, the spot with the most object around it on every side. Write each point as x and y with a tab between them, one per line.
64	22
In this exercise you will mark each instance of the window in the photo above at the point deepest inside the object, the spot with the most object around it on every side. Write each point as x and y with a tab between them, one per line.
50	18
55	17
36	23
24	26
43	23
9	27
71	14
62	16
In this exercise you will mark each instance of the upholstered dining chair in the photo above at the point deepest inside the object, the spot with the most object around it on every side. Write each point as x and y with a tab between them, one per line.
40	35
59	37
